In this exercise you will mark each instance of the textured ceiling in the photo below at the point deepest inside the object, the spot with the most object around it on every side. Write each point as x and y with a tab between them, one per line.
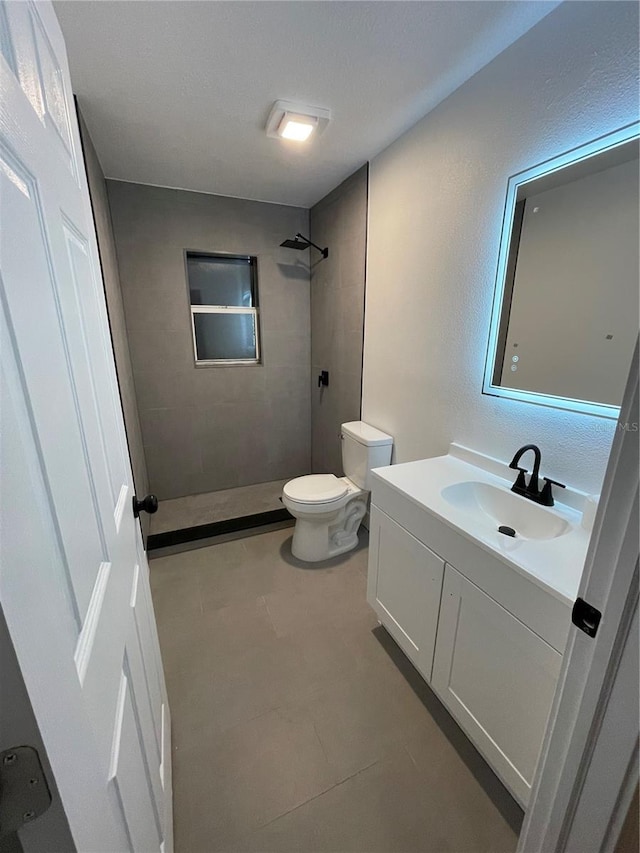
177	93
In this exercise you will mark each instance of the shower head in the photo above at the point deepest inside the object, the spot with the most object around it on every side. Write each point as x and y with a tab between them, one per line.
295	244
301	242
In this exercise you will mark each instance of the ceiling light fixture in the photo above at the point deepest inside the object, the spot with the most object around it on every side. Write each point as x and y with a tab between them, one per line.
295	121
296	127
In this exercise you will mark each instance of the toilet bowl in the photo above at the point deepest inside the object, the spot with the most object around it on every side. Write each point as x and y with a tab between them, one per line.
329	509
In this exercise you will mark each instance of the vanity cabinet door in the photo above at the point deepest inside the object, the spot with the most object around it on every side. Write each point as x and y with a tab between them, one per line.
496	677
404	588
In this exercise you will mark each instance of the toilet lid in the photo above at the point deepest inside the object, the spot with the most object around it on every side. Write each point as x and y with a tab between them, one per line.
315	488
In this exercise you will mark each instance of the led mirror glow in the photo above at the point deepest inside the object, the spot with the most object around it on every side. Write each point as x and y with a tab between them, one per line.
566	286
298	128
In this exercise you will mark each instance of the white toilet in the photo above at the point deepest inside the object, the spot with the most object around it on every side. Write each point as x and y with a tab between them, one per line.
328	509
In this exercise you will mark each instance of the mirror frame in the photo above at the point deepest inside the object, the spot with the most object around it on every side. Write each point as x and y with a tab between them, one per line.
575	155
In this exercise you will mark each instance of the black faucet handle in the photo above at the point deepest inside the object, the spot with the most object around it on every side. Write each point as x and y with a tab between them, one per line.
546	495
520	485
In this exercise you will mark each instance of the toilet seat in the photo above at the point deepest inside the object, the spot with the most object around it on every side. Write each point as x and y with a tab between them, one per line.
315	489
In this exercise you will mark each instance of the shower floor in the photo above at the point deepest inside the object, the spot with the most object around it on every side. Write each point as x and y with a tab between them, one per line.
207	508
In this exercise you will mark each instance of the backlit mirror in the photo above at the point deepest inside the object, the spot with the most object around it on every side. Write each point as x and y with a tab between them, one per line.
565	314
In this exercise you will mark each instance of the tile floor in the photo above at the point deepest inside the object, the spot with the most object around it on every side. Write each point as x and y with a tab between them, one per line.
192	510
298	725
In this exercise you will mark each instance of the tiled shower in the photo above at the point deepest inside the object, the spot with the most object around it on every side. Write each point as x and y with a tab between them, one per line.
213	428
217	442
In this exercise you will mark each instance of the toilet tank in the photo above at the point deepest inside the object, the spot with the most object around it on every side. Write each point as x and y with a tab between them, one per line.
364	447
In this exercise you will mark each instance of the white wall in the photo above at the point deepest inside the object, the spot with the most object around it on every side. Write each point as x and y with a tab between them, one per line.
436	200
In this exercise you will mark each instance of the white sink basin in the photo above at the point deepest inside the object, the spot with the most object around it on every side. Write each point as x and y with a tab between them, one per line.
471	494
498	507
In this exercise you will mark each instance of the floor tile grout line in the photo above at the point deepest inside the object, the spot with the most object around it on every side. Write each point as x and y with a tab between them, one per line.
408	751
324	751
269	616
316	796
199	588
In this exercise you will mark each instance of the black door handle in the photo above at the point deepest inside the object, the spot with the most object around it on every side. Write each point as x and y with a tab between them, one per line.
148	504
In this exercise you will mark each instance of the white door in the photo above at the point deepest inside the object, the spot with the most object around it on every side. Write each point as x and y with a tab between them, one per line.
497	677
403	586
73	574
588	771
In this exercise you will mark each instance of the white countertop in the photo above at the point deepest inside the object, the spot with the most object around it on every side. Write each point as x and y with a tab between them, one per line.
554	564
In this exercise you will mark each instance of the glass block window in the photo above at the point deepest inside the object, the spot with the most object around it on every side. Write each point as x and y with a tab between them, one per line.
223	291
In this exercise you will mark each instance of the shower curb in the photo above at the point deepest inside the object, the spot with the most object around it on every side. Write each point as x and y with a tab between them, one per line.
215	528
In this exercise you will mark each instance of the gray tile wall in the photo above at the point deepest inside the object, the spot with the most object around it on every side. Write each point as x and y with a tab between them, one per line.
115	308
211	428
339	221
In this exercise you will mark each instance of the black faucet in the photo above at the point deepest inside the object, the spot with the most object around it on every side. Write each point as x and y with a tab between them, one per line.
532	489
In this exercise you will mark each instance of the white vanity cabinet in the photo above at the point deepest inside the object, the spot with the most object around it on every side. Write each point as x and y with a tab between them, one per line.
486	636
404	586
497	677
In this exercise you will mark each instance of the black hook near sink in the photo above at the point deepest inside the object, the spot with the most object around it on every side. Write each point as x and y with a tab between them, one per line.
508	531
